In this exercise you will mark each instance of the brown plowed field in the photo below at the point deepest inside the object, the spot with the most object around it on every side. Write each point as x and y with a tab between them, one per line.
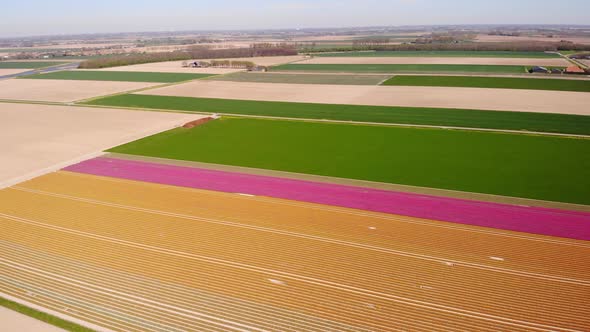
438	61
135	256
539	101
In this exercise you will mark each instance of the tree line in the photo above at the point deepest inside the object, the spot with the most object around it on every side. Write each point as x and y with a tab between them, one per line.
192	53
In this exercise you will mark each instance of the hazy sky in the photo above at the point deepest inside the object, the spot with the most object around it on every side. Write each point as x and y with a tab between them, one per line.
22	17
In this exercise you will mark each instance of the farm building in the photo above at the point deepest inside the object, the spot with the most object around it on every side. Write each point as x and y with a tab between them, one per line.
574	70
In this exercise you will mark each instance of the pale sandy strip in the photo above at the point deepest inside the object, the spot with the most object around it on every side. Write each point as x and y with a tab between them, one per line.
316	238
564	102
555	62
54	313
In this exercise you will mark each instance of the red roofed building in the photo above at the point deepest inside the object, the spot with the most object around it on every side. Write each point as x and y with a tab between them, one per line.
574	70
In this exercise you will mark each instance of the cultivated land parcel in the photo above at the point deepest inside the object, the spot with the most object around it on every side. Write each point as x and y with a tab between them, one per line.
84	75
491	82
501	164
459	54
542	122
402	68
442	97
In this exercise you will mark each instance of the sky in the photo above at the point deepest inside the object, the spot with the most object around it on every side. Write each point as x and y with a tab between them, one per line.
25	18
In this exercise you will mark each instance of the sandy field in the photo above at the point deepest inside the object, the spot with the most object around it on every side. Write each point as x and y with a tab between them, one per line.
4	72
493	39
14	321
176	66
466	98
45	138
443	61
62	90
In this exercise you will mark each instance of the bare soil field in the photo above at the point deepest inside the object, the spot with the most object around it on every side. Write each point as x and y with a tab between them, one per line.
306	78
14	321
4	72
437	61
498	39
462	98
62	90
45	138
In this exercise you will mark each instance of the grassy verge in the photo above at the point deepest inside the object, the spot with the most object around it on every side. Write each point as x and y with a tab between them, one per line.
466	54
122	76
542	122
536	167
405	68
49	319
28	65
304	78
491	82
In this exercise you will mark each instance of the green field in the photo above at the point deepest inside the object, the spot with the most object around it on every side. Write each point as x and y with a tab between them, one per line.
123	76
389	68
466	54
294	78
537	167
49	319
491	82
28	65
542	122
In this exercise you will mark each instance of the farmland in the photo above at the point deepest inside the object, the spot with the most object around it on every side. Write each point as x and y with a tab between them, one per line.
491	82
547	62
63	90
28	65
265	283
118	76
499	164
402	68
304	78
558	123
463	54
513	100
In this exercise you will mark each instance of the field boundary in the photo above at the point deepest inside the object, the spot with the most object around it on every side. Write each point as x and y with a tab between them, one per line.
358	183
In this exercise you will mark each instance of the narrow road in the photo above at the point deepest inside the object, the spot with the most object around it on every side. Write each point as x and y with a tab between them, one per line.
67	66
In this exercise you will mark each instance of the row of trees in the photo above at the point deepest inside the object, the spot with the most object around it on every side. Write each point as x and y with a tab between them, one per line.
531	46
192	53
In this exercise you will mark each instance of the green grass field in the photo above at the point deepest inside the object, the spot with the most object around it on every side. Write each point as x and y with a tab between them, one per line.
542	122
466	54
389	68
55	321
491	82
295	78
28	65
122	76
537	167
